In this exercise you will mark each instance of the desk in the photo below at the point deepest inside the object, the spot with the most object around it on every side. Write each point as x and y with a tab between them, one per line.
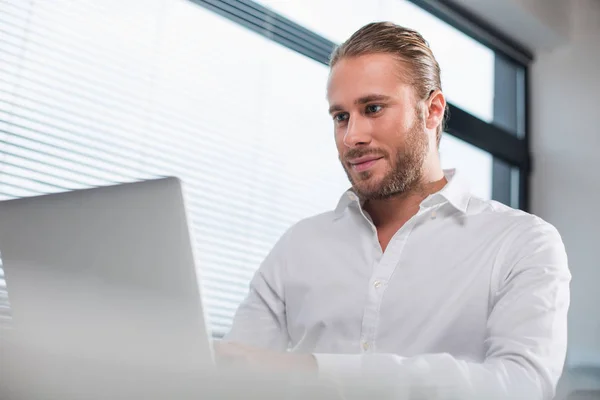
30	373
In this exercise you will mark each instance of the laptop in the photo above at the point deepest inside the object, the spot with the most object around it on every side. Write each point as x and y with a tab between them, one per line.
104	294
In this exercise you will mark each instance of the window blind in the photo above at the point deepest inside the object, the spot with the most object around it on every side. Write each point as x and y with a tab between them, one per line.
94	93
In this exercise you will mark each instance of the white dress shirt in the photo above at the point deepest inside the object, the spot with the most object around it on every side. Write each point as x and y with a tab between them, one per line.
469	299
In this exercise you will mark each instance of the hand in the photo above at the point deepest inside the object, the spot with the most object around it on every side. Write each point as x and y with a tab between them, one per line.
241	355
303	368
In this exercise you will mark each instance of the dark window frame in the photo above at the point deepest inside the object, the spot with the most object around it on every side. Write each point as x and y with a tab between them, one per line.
506	139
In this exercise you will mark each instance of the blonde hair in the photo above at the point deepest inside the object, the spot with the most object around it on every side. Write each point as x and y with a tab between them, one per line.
408	46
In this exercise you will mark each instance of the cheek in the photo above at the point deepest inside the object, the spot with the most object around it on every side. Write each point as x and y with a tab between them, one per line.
390	126
390	132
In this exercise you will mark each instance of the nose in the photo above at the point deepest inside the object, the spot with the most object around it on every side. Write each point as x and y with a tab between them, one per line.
358	132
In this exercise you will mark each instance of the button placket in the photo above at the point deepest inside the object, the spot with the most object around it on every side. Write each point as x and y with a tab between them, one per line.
382	272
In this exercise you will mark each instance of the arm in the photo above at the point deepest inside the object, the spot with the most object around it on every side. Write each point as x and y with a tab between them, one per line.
526	342
260	320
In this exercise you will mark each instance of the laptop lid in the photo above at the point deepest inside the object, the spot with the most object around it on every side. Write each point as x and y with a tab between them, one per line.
106	276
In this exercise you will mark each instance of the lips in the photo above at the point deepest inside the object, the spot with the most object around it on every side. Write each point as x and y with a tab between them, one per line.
364	163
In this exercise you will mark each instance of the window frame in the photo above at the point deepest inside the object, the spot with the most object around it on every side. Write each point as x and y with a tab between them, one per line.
508	147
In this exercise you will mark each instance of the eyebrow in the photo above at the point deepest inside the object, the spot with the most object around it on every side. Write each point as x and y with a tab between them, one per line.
362	100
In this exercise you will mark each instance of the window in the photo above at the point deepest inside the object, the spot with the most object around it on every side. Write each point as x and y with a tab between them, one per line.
474	163
483	74
90	109
229	96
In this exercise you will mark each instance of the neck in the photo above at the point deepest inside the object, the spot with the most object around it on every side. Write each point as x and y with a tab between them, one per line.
398	209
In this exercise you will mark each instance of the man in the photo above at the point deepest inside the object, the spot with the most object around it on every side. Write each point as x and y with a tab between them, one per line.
411	281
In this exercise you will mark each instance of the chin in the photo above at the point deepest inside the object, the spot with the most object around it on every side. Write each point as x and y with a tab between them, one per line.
368	178
368	188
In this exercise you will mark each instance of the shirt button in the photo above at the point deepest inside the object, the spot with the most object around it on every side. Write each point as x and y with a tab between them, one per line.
377	284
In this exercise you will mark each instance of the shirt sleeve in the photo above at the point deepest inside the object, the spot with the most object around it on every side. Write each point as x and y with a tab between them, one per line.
526	337
261	320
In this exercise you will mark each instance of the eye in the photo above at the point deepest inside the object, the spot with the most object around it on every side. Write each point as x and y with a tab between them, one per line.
373	108
340	117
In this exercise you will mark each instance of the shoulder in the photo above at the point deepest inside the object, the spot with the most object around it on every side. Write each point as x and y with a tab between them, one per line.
526	241
301	238
514	222
311	227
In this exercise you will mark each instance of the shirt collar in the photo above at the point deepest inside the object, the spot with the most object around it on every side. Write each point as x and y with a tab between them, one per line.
456	192
347	199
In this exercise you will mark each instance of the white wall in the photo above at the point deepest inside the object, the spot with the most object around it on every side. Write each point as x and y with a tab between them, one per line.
535	24
565	105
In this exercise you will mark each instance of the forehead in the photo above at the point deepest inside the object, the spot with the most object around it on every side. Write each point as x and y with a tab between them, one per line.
354	77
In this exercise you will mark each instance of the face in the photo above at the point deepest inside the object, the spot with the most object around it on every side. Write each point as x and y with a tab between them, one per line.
380	127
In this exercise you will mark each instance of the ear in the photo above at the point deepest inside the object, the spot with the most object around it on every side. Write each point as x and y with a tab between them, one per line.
435	106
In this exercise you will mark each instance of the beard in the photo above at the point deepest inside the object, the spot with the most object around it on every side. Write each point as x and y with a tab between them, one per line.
406	169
